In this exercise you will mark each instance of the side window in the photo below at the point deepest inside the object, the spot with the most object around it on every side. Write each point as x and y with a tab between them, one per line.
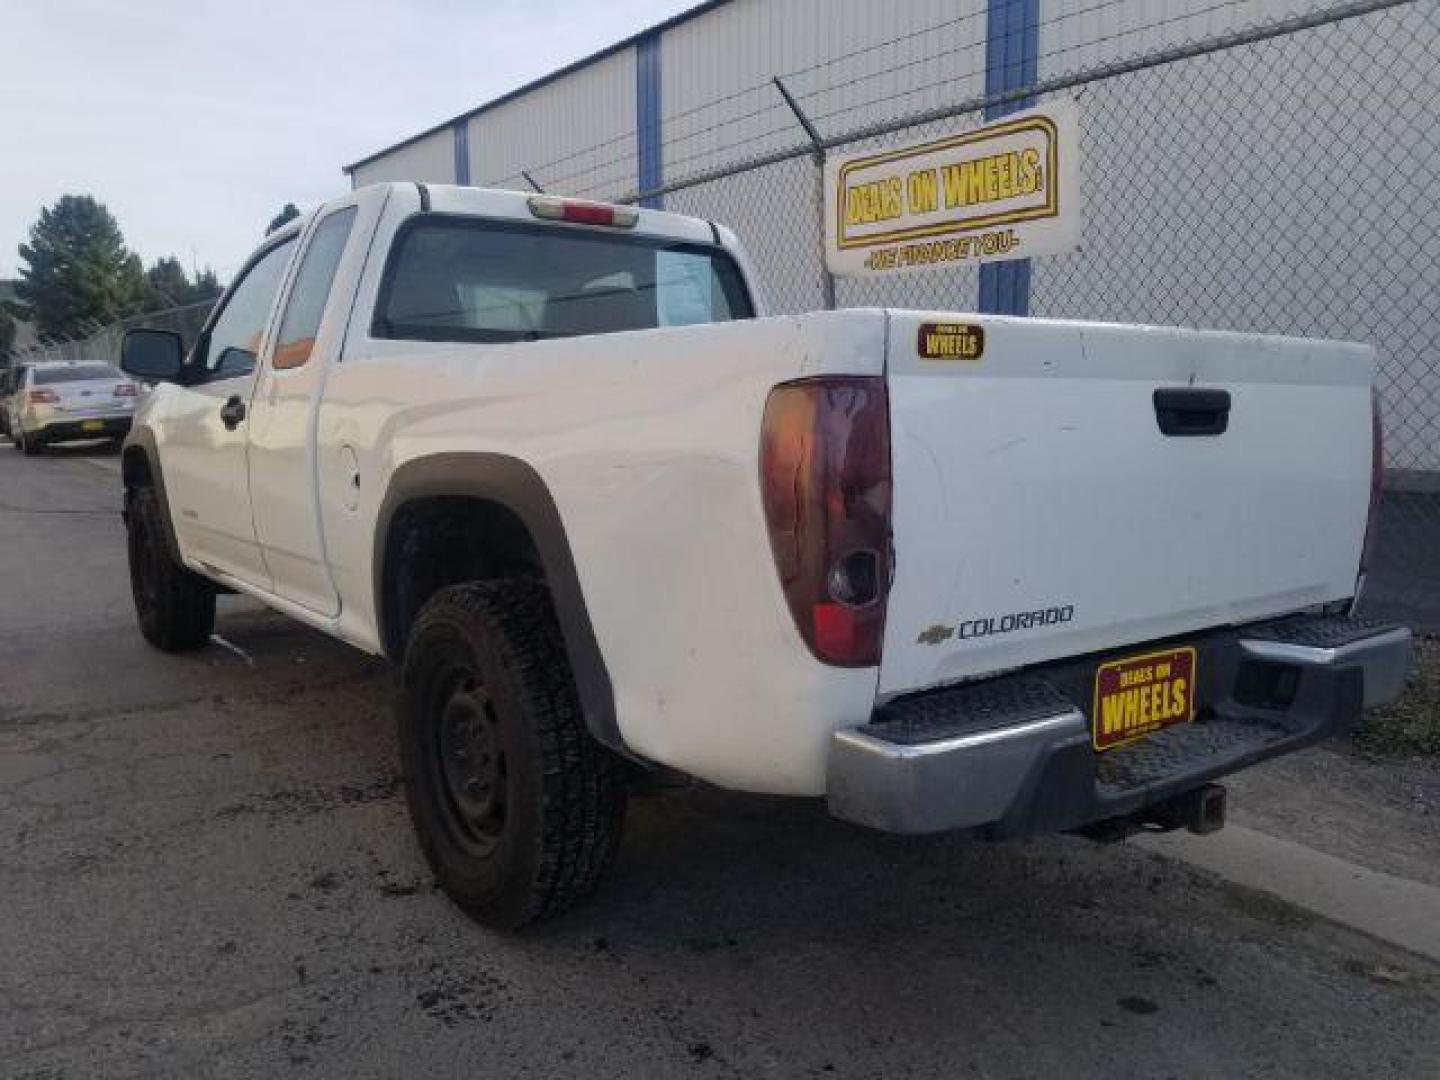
312	289
235	337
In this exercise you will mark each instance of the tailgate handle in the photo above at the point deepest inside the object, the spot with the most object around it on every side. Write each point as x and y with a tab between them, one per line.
1185	410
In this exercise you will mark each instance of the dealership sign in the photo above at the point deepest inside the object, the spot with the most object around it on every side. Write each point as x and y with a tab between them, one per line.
1008	190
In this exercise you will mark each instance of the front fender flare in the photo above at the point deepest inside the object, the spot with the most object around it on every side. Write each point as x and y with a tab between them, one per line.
141	440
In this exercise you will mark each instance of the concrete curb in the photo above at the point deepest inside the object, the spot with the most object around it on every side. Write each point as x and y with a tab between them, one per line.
1396	910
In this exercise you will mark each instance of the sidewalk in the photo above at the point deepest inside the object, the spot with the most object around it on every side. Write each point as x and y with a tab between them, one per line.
1352	840
1396	910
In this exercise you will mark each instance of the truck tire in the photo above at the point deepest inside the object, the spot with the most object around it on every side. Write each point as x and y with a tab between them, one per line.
174	606
517	809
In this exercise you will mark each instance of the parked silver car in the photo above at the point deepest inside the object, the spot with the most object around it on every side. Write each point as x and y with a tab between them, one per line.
62	402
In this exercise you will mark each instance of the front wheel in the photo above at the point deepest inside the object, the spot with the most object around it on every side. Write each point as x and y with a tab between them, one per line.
517	809
175	606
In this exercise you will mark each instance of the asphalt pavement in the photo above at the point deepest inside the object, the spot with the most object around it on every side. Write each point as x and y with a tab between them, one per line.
206	870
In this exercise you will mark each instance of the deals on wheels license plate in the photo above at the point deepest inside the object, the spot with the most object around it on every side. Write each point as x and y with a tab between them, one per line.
92	425
1142	694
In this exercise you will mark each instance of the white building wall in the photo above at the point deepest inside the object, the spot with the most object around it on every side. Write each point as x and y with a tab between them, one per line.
1078	35
429	160
1223	191
848	62
576	135
1195	212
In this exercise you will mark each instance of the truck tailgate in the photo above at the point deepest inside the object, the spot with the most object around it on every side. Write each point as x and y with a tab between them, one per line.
1041	512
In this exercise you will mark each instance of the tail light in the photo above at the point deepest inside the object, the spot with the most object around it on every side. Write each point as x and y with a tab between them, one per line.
1377	480
125	389
42	397
825	479
581	212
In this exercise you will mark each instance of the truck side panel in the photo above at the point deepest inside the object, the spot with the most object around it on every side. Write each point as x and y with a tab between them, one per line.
648	445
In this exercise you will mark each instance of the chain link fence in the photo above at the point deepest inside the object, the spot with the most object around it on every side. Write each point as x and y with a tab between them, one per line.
1245	166
1259	165
102	345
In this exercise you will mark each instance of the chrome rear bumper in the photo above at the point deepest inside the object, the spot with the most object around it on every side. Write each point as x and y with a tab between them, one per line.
1383	657
1014	755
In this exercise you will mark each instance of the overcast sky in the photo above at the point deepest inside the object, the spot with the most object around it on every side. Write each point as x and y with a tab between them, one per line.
195	122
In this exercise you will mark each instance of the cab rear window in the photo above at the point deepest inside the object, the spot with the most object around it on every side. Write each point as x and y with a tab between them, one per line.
470	279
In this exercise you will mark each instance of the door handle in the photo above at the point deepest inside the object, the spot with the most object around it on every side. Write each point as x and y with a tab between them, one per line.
1188	410
232	412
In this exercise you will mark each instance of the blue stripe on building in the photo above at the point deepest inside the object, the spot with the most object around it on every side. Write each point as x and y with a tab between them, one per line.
1011	50
462	153
647	118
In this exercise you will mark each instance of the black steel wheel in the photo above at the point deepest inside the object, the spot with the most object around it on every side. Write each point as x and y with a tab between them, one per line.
470	760
517	809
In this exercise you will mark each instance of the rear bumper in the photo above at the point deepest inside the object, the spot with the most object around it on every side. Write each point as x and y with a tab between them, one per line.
1013	755
109	427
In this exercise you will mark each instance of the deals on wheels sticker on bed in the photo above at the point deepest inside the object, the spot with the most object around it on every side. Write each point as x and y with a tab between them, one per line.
1008	190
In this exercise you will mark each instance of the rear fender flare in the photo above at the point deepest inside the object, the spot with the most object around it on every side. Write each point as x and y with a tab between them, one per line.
509	482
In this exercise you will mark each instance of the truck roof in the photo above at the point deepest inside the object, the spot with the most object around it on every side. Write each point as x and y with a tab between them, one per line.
519	206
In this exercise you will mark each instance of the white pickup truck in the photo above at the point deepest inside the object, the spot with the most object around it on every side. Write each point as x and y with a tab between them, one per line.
948	571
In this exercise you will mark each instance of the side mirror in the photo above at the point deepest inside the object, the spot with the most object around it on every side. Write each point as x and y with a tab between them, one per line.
152	355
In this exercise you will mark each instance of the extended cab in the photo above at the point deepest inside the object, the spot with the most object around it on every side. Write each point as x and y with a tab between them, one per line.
948	571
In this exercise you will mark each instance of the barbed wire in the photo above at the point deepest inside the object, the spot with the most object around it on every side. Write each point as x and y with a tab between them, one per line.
674	140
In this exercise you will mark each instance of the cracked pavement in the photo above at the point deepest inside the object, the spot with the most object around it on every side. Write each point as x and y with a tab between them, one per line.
206	870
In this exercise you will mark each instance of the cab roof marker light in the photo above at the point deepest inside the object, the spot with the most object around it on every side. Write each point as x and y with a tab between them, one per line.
581	212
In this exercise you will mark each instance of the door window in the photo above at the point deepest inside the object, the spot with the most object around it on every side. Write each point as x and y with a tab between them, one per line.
312	290
234	339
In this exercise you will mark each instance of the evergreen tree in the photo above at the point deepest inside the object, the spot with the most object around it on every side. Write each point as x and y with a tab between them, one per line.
166	284
76	270
207	286
289	213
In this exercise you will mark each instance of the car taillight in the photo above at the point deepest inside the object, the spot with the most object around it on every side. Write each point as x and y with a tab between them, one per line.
124	389
1377	480
42	397
825	480
582	212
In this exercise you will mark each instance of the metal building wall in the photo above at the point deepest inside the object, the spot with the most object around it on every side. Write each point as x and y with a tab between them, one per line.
575	135
1184	165
1193	171
853	61
430	159
848	63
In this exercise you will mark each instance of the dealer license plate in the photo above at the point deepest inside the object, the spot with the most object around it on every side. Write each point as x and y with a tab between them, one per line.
1139	695
92	425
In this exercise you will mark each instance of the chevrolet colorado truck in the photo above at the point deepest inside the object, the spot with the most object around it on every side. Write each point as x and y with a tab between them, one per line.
946	571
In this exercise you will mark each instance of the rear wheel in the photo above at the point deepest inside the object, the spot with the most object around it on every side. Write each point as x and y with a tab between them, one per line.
517	809
29	445
175	606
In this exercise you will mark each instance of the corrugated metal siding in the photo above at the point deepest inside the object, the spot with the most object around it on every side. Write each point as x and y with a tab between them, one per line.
1194	220
576	136
1189	171
1078	35
428	160
848	62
